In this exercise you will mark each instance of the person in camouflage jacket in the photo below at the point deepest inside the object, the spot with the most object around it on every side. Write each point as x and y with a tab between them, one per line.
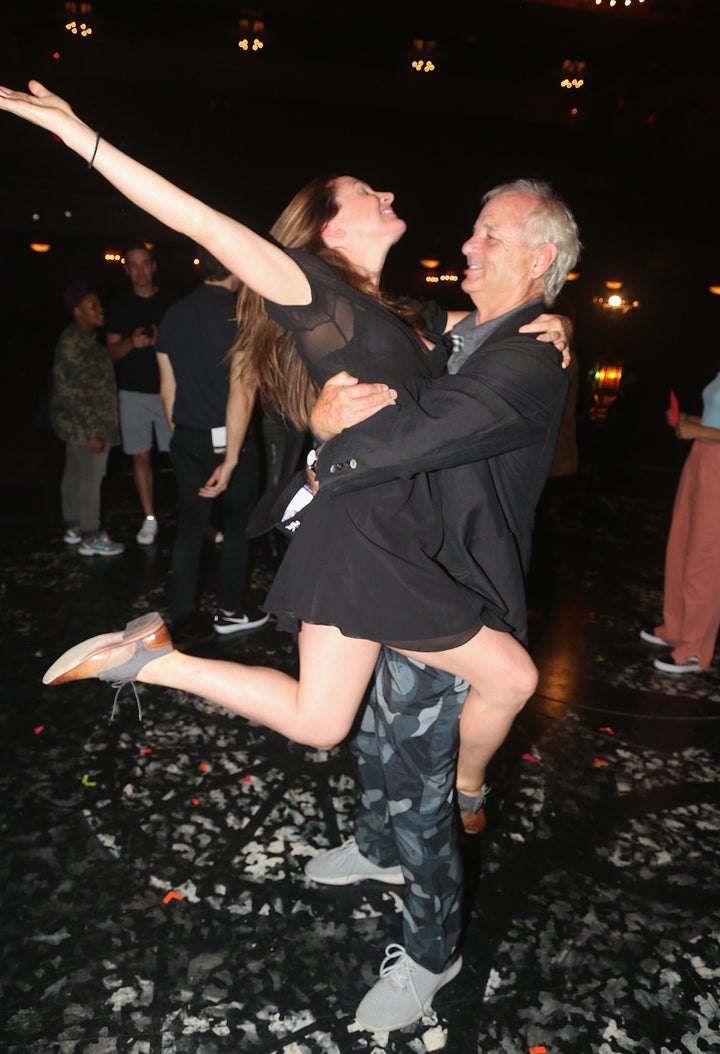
84	414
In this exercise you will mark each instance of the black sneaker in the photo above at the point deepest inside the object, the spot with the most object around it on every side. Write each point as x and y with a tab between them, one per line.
251	618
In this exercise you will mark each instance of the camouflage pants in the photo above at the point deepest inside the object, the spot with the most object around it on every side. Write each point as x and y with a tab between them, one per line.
406	755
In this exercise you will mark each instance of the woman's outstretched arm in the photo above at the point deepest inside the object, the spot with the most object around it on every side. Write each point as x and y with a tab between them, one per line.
259	263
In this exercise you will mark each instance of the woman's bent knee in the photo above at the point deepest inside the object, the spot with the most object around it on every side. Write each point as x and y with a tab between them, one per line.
325	738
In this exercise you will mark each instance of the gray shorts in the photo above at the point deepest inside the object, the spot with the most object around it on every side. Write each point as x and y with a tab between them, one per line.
141	414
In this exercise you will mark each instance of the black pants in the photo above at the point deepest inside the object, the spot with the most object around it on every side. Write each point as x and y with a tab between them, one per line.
194	461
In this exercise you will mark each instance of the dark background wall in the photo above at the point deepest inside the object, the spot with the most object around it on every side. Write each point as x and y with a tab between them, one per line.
333	90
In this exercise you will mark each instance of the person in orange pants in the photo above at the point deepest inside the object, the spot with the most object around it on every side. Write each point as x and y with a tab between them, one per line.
691	601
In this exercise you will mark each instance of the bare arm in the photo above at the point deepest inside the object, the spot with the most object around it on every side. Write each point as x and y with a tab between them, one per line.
257	262
344	402
168	385
690	427
120	346
238	411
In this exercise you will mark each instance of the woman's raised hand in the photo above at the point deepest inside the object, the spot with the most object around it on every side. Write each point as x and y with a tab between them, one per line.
39	106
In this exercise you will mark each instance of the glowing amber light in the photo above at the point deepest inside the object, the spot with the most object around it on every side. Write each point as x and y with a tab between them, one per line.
607	378
40	247
251	28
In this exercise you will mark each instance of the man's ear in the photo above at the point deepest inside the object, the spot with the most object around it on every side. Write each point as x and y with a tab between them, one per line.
545	255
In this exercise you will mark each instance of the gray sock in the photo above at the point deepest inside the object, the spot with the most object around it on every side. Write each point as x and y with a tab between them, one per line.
472	802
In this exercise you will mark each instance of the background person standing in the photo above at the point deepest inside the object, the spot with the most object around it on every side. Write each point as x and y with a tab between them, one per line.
83	413
194	339
691	597
132	322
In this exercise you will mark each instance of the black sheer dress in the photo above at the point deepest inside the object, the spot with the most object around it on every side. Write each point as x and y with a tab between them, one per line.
364	561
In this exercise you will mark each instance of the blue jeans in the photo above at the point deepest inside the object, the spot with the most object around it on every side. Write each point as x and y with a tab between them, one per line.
406	757
194	461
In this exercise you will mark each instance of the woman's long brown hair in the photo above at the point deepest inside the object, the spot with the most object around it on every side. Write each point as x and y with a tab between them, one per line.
264	357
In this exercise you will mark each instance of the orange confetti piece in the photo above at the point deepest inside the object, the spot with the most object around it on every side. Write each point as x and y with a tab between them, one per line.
609	731
600	763
245	779
531	757
172	895
144	751
38	729
537	1050
202	767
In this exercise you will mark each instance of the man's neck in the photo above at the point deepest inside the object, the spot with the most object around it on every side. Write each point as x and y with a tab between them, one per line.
486	310
145	291
230	283
487	314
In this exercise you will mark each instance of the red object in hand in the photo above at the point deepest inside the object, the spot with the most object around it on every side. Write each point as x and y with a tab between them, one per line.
673	409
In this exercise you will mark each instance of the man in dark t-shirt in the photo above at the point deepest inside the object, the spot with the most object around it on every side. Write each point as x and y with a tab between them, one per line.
213	427
132	323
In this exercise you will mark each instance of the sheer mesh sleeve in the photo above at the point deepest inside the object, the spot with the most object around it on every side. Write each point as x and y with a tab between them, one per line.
326	325
344	329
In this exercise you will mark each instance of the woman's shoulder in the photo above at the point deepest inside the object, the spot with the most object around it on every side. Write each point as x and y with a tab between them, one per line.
312	265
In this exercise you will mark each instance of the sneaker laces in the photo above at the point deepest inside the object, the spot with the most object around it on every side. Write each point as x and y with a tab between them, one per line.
396	968
118	686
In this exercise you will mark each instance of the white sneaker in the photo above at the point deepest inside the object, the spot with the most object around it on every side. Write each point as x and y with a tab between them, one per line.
404	992
690	665
72	536
650	638
346	865
148	532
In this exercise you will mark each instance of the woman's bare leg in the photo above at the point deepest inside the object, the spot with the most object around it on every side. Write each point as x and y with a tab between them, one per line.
317	710
502	677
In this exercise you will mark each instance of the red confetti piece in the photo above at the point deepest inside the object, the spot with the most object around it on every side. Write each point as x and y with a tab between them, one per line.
196	801
38	729
609	731
172	895
531	757
202	767
245	779
600	763
144	751
592	614
537	1050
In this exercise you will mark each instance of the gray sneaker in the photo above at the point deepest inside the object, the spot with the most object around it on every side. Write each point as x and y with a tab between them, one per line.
101	545
404	992
346	865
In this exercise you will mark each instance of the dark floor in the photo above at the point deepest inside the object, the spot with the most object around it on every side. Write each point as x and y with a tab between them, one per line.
594	895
